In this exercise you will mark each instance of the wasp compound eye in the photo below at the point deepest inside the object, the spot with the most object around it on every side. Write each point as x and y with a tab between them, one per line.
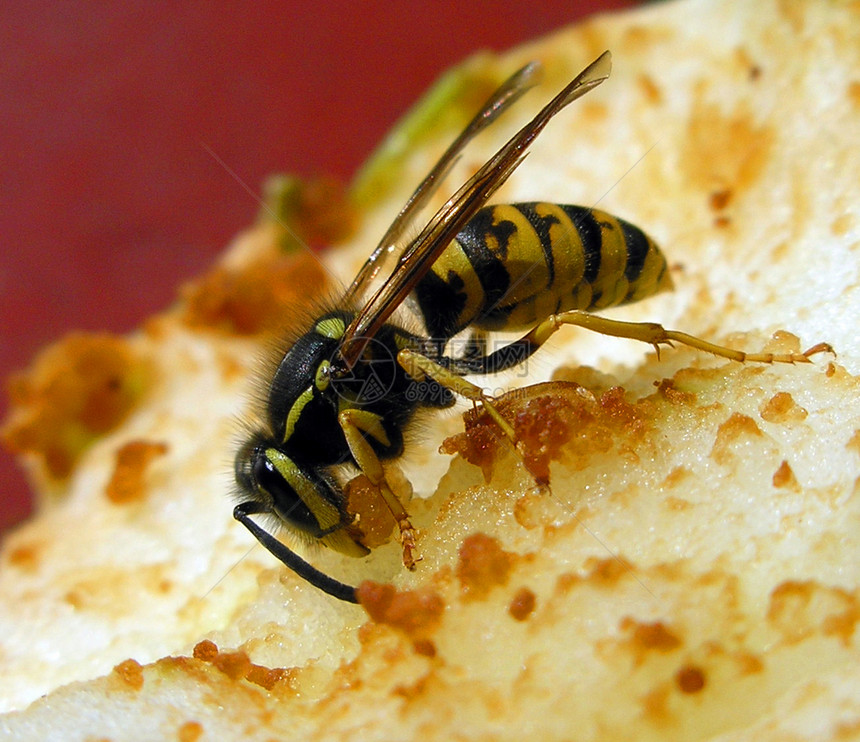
286	502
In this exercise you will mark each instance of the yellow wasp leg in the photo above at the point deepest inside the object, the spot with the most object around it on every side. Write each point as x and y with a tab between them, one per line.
419	367
651	332
355	424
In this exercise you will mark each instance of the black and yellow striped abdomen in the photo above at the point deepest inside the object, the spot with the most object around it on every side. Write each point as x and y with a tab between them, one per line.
515	264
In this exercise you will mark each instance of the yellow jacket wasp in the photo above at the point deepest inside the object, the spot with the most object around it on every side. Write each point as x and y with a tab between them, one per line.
347	388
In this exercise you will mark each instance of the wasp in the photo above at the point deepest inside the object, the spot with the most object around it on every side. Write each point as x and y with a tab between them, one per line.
344	392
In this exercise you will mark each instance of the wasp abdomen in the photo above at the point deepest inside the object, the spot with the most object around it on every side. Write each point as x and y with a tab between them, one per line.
515	264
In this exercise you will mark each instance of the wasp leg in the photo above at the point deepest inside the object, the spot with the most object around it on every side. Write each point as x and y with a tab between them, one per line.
333	587
517	351
656	335
419	367
356	425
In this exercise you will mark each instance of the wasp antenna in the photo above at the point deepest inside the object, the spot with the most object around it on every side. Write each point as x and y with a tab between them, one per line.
292	560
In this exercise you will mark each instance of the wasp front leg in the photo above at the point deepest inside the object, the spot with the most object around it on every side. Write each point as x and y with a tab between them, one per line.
357	426
420	367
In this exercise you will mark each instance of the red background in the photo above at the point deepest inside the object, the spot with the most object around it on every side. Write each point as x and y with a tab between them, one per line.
109	199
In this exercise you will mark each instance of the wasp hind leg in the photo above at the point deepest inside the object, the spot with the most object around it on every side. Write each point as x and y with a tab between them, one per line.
656	335
419	366
358	426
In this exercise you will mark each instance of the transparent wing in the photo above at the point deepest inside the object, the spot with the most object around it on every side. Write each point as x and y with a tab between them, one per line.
509	92
425	249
